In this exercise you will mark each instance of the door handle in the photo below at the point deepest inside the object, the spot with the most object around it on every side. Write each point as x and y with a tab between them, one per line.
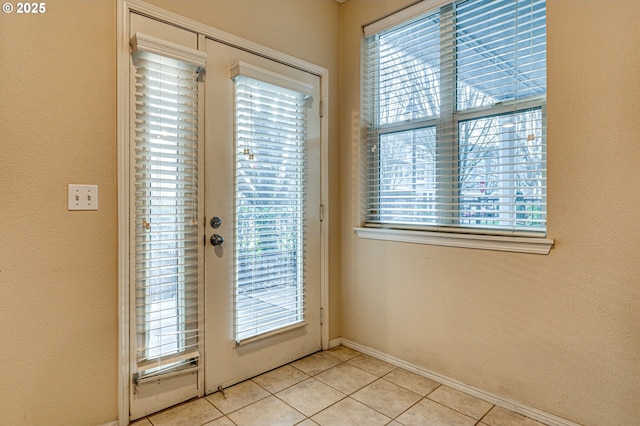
216	240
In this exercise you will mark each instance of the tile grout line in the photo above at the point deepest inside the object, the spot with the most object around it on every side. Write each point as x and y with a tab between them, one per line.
415	403
312	377
350	395
378	378
346	395
486	414
458	411
294	408
341	399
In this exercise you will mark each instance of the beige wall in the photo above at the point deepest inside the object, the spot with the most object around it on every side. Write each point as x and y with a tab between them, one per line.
58	269
58	306
560	332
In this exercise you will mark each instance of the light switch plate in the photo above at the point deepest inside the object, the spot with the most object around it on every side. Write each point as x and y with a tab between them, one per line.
83	197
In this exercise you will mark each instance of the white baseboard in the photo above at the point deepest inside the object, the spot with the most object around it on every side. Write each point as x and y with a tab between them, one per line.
518	407
335	342
113	423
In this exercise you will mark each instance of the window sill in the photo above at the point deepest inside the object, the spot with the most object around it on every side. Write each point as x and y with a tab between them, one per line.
474	241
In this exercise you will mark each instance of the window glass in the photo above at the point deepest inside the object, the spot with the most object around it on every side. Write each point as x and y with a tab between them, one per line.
409	72
407	177
456	137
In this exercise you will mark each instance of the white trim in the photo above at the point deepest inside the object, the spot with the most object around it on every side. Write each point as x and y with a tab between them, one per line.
201	250
147	43
334	343
473	241
241	68
533	413
122	117
113	423
324	202
403	15
124	8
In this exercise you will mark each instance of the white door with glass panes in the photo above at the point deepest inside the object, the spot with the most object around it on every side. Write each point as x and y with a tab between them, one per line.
223	149
262	207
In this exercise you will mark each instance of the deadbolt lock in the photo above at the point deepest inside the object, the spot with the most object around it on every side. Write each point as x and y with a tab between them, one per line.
215	222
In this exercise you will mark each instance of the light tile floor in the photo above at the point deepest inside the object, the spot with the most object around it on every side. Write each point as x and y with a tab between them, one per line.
338	387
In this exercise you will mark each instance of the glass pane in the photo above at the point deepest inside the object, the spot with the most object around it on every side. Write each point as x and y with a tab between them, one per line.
270	187
166	205
500	51
406	183
502	181
409	71
163	302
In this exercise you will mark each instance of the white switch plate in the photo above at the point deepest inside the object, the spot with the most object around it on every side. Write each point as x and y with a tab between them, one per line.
83	197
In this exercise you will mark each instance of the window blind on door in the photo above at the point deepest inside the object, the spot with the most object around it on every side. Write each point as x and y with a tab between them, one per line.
270	182
165	207
455	98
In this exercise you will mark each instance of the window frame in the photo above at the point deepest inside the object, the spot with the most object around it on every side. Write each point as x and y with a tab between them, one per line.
450	116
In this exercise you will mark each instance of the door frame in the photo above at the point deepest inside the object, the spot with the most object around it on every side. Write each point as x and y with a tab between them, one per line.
124	8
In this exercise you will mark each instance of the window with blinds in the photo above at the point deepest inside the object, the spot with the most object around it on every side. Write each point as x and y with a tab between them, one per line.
455	100
164	213
270	177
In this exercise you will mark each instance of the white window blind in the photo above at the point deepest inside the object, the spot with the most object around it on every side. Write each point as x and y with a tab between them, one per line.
165	211
455	101
270	181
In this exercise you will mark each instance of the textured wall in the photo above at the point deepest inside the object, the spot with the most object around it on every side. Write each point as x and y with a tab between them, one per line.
560	332
58	269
